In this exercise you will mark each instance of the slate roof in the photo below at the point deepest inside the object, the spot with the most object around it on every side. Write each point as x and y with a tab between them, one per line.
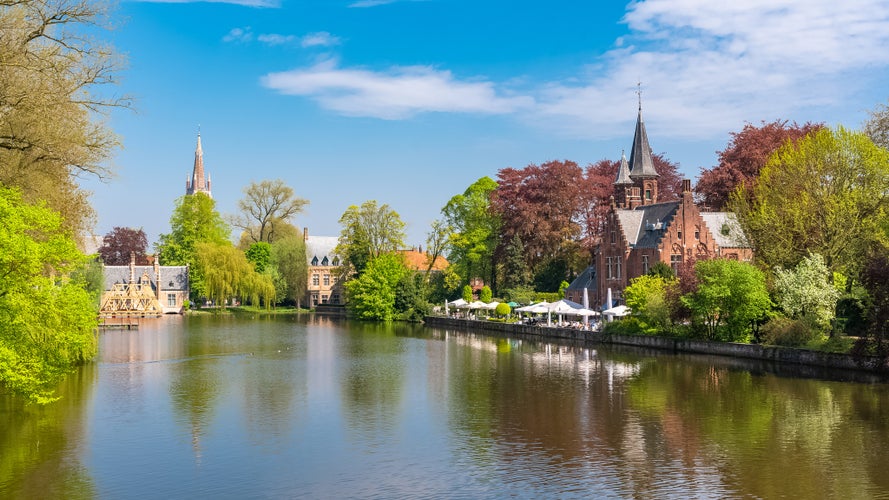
641	164
177	275
586	279
644	226
623	172
321	246
735	237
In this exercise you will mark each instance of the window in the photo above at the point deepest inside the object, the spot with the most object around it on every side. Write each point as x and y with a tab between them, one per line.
613	237
644	264
335	298
697	233
618	267
326	280
314	299
608	266
648	194
171	300
675	260
315	279
679	234
324	299
315	260
324	261
336	261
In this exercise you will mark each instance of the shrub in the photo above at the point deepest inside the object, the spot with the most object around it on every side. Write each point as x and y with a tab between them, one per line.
788	332
503	309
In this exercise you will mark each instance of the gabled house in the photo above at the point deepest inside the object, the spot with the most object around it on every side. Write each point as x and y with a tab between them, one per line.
640	230
323	286
144	291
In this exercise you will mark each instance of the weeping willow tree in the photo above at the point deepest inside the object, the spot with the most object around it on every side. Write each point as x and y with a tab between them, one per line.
228	274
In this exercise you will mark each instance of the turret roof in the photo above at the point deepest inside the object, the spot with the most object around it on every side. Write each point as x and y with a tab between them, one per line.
641	164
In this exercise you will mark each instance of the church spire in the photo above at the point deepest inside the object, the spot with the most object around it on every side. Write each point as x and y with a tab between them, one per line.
641	164
199	184
623	172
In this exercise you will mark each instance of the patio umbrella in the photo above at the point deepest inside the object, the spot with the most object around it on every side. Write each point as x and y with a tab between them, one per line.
586	305
617	311
446	307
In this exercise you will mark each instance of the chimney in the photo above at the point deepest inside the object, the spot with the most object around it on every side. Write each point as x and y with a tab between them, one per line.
686	186
157	277
305	234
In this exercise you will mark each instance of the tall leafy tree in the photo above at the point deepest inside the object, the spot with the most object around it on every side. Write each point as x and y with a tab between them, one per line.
55	78
745	155
194	220
515	271
260	255
289	258
372	295
120	243
369	231
46	322
266	206
226	274
838	179
475	230
729	298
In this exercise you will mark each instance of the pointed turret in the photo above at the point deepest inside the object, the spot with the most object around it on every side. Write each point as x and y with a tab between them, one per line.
198	183
641	164
623	172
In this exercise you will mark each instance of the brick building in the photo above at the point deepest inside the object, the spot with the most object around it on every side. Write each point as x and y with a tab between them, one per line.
323	286
641	231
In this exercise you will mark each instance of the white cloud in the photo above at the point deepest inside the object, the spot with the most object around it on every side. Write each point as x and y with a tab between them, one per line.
707	67
399	93
319	39
240	35
275	39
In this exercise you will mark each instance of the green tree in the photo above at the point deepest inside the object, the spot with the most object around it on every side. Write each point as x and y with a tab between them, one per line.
646	297
503	309
475	231
368	232
260	255
515	269
46	319
194	220
289	258
838	179
730	296
55	90
228	274
806	292
467	293
266	206
485	295
371	296
662	269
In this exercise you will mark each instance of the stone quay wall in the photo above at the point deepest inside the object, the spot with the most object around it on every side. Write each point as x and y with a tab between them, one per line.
749	351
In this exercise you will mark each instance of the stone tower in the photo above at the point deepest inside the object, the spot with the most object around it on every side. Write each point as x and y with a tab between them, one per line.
197	183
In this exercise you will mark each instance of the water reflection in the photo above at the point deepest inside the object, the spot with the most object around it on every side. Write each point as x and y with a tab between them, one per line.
326	408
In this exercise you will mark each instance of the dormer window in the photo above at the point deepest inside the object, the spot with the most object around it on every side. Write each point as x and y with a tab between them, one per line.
315	260
336	261
324	261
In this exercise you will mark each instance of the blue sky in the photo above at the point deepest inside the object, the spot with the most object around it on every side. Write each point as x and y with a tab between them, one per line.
409	102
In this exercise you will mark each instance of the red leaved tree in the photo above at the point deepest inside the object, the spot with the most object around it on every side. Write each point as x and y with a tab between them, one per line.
743	158
120	242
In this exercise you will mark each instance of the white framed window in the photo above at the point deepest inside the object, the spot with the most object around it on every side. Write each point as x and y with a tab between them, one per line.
171	300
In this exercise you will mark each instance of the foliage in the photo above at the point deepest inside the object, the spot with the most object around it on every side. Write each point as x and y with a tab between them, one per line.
475	230
266	206
646	297
629	325
522	295
442	286
789	332
194	220
371	296
55	79
551	274
228	274
485	295
515	270
876	127
46	320
437	240
562	287
839	181
503	309
409	302
806	292
730	296
91	275
746	154
875	279
120	243
662	269
260	255
368	232
467	293
289	259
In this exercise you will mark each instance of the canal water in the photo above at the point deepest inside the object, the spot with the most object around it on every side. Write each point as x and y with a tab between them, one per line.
314	407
